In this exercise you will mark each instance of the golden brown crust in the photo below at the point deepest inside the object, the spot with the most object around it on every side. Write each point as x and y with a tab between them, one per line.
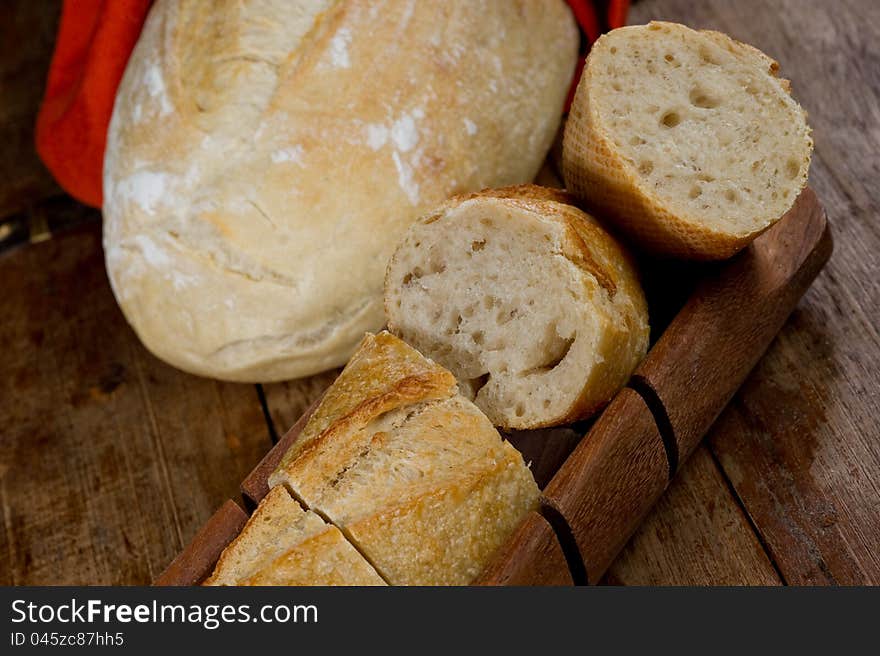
383	374
323	559
415	476
282	544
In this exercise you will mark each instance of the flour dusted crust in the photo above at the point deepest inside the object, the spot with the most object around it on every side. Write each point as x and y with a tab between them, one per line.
414	475
264	158
686	139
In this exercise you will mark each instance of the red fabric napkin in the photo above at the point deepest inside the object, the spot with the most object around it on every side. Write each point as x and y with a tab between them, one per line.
95	39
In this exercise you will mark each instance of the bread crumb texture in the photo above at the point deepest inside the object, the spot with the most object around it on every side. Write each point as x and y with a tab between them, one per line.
264	158
687	139
534	307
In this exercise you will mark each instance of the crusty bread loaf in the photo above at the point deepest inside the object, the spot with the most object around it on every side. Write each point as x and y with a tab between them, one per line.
525	298
264	158
687	139
411	472
282	544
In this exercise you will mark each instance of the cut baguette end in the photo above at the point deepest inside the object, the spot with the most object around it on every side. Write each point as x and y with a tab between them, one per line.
686	139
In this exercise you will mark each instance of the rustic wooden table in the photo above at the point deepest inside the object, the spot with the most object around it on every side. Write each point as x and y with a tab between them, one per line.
110	460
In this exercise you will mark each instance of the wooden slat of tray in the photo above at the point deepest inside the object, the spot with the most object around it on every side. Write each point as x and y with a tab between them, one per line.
256	485
723	330
610	481
546	564
194	563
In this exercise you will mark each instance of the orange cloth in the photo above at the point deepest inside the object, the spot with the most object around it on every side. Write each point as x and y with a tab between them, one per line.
95	39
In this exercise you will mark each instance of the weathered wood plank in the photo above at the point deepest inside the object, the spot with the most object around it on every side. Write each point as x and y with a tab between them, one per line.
696	535
800	442
109	459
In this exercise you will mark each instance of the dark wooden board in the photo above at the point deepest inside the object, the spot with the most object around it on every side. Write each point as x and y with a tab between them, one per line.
109	459
27	38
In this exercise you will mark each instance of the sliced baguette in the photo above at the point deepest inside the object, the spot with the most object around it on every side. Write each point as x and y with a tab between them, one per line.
420	481
686	139
525	298
282	544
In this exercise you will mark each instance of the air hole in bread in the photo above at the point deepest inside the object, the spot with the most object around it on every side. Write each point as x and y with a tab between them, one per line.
670	58
646	167
792	169
478	337
636	141
613	50
558	353
478	245
520	410
731	196
702	99
695	192
670	119
708	56
505	316
478	383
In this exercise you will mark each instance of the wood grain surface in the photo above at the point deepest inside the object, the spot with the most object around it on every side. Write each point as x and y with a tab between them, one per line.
696	535
110	461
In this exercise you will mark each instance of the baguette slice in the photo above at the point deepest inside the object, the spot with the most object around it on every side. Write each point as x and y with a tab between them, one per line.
686	139
282	544
526	299
424	487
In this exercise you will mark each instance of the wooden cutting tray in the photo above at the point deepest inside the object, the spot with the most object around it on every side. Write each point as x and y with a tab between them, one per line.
719	319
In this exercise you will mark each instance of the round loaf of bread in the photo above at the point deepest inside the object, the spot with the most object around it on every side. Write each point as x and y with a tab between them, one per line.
686	139
265	157
526	299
